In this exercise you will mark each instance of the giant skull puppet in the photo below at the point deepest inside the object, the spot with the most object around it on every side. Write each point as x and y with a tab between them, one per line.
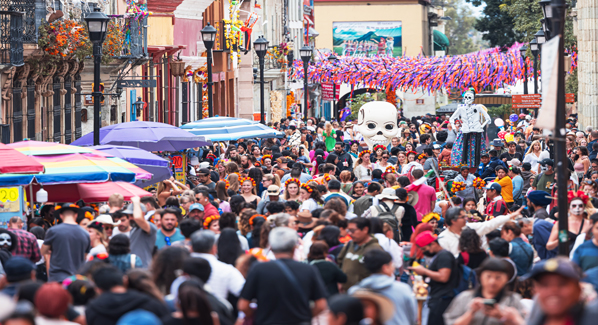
474	118
377	122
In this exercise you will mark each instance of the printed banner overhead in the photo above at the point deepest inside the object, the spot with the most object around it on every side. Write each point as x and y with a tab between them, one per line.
367	38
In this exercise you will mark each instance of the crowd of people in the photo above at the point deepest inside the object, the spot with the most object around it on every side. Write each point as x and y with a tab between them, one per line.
315	228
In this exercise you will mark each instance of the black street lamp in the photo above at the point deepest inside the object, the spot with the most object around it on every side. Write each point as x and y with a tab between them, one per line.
139	105
540	37
523	51
97	25
333	59
261	47
208	35
305	53
535	50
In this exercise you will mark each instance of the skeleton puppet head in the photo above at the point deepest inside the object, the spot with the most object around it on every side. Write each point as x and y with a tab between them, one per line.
468	97
8	240
377	122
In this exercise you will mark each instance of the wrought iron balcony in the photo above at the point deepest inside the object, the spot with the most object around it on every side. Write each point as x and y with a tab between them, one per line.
11	38
34	11
274	59
135	42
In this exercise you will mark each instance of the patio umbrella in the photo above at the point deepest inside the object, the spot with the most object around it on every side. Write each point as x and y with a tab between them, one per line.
12	161
150	136
91	192
230	128
147	161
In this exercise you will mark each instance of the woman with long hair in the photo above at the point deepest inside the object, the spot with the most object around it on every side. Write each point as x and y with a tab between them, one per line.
222	195
97	238
169	187
267	163
193	306
221	168
470	247
581	162
257	175
401	161
345	177
310	198
319	160
229	246
244	226
409	147
291	192
331	235
329	136
358	190
248	191
580	208
382	163
233	184
363	166
165	264
377	153
534	155
231	168
141	280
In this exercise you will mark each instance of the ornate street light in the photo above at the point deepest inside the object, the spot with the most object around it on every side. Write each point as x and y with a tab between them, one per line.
139	105
333	59
97	25
540	37
208	35
523	51
305	53
535	50
261	48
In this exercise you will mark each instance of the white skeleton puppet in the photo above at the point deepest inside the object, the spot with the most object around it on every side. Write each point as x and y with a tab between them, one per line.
474	118
377	122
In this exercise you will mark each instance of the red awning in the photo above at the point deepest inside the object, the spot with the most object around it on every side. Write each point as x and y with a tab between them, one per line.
91	192
14	162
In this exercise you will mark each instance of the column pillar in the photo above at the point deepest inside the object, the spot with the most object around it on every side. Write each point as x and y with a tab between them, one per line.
587	69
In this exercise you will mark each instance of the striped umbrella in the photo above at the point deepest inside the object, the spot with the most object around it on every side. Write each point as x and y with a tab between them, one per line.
66	164
230	128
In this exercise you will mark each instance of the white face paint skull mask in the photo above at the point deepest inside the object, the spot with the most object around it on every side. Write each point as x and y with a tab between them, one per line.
377	122
576	207
468	98
5	240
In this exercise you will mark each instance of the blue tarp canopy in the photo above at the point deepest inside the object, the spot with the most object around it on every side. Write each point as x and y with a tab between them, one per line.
230	128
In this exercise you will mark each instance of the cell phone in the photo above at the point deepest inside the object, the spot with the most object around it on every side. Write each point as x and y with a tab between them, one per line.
489	302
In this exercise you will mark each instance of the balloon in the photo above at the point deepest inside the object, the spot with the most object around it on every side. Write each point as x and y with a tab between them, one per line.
499	122
502	134
509	137
513	118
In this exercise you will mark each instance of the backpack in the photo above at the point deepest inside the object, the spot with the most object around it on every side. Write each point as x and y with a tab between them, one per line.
467	279
362	204
389	216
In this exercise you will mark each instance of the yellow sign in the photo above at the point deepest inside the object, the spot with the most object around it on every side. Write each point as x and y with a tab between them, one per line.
9	199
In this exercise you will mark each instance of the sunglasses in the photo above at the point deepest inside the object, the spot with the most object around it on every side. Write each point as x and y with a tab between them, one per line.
384	157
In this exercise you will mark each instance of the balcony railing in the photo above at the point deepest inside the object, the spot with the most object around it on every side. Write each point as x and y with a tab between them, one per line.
272	61
135	43
11	38
34	11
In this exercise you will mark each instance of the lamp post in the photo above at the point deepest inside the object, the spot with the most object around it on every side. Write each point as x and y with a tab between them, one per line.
97	25
554	14
535	50
208	35
333	59
523	51
139	104
261	47
305	53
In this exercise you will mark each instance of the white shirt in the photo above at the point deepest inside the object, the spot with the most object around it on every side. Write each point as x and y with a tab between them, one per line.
392	248
535	160
474	118
450	241
95	251
224	278
309	204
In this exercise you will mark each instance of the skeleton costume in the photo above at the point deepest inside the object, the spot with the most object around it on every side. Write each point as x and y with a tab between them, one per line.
471	141
8	243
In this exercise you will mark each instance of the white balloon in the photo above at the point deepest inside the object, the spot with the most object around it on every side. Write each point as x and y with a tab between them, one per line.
499	122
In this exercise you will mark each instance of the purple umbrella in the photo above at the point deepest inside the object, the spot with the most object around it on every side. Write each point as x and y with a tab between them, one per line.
150	136
145	160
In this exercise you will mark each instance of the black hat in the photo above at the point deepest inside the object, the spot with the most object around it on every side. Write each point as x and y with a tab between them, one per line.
68	206
203	171
18	268
96	225
547	161
558	265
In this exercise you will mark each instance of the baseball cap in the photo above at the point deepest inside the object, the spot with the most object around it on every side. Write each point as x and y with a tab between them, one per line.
539	197
96	225
195	206
497	143
437	147
494	186
425	239
547	161
515	162
203	171
18	268
273	190
204	164
558	265
129	209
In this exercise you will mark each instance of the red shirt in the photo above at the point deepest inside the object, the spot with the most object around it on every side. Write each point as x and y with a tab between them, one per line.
210	210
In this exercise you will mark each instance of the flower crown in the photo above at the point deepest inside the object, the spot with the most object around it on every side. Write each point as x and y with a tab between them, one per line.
257	164
578	195
211	157
364	152
243	180
88	215
422	156
264	158
67	282
390	169
255	216
458	186
352	142
379	146
307	188
208	221
292	180
430	216
411	153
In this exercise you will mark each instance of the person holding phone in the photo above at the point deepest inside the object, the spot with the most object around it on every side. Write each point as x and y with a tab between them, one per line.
491	303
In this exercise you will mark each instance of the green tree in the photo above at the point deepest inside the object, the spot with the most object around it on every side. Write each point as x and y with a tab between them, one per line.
460	28
496	24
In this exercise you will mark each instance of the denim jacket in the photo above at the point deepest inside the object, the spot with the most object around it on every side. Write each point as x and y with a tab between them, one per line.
522	255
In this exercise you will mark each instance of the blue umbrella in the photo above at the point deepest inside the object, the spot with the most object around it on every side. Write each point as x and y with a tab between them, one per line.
150	136
145	160
230	128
